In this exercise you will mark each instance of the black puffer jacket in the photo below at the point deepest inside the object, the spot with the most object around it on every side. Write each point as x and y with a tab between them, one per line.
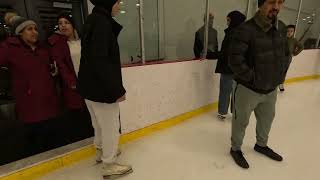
259	55
100	78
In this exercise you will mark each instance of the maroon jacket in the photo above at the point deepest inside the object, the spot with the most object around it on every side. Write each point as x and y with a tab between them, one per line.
33	86
60	53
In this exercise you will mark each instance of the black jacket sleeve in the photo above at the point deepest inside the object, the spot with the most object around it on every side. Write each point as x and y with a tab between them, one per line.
216	48
198	46
238	61
100	60
100	42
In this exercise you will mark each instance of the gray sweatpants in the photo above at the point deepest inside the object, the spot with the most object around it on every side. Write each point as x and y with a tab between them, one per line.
247	101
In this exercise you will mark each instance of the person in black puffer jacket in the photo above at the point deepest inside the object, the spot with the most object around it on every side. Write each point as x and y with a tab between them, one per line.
259	58
234	19
100	82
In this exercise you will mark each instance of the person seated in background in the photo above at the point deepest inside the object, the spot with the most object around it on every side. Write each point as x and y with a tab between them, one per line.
234	19
37	103
295	47
198	47
66	52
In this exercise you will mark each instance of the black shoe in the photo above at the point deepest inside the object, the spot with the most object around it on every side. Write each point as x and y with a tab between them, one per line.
282	89
268	152
239	159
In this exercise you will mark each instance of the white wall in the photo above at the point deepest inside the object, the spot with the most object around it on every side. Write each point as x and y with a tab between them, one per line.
159	92
305	64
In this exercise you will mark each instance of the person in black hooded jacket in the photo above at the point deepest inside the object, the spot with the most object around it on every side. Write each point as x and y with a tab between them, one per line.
100	82
234	19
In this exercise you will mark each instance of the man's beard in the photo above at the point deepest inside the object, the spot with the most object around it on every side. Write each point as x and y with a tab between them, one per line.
273	16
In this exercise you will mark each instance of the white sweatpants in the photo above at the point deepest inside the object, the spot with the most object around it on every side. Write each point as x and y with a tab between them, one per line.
106	124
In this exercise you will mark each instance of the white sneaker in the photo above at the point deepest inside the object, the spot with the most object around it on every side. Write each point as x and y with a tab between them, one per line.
99	155
114	171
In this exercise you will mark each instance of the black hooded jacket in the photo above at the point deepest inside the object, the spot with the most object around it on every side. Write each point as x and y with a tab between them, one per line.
100	78
237	18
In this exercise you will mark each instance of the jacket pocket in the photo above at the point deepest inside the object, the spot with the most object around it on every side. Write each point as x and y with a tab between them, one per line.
267	76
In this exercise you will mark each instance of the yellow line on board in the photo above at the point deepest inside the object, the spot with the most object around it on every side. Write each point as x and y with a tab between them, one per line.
299	79
166	124
68	159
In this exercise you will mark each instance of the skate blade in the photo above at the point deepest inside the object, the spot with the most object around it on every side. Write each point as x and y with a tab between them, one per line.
116	176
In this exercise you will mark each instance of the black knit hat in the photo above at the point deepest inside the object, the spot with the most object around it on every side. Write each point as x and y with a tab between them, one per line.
108	4
261	2
237	18
67	16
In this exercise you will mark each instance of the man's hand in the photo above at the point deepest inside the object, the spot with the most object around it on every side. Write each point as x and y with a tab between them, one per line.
123	98
54	69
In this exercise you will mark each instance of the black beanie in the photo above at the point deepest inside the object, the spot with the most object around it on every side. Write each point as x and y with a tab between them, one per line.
237	18
261	2
108	4
68	17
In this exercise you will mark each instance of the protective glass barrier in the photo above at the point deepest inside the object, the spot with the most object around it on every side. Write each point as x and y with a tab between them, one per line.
129	38
308	27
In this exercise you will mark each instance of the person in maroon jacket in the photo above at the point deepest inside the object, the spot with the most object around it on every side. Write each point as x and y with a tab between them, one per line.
37	104
66	52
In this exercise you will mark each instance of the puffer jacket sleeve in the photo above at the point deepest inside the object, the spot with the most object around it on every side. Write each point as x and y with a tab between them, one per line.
238	62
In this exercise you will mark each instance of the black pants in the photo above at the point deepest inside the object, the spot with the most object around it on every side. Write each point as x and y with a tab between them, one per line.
41	136
75	126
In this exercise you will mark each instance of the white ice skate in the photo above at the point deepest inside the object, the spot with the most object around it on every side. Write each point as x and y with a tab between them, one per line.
113	171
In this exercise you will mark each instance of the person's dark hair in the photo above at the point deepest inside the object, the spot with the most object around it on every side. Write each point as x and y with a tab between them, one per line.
291	26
